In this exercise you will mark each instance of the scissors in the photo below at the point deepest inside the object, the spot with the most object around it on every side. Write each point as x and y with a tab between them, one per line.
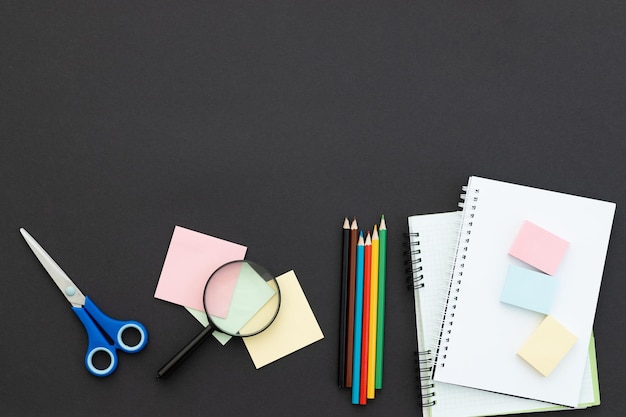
104	333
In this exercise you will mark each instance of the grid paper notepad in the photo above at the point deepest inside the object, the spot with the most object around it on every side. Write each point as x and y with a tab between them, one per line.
479	343
433	244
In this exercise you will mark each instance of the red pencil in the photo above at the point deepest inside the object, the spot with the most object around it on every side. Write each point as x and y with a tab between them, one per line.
367	279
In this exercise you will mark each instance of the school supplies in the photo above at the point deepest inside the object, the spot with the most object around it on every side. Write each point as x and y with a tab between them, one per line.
367	289
238	306
432	246
191	258
382	276
480	335
104	333
294	328
351	293
373	319
363	286
253	302
358	320
343	305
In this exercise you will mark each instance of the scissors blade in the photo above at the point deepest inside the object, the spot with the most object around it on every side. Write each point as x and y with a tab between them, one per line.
65	284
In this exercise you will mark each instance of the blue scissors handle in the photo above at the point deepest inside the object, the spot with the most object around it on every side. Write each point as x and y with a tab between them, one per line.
95	322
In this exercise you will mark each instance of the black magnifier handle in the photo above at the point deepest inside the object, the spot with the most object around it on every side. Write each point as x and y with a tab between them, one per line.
177	359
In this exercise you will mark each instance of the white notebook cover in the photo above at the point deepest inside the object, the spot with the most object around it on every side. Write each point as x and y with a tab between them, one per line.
479	343
433	246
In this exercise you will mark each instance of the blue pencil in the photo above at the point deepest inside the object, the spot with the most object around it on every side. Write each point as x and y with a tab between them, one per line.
358	319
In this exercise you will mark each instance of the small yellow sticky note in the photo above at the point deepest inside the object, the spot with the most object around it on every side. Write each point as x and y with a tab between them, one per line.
547	345
295	325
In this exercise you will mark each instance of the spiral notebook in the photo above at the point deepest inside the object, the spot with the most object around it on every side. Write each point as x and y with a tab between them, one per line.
482	336
432	241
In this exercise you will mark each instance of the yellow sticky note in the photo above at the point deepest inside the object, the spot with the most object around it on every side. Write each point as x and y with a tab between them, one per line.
547	345
295	325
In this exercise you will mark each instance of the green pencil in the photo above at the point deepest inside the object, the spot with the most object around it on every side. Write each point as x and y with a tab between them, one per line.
380	325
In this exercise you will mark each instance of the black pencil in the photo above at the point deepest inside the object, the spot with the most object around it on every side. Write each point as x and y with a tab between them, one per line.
344	303
350	309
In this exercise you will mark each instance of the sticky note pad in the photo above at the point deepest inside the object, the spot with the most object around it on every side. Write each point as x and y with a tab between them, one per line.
539	248
547	345
295	325
191	259
529	289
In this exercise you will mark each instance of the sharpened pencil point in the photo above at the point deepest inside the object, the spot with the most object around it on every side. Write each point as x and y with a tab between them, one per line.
383	225
346	223
354	225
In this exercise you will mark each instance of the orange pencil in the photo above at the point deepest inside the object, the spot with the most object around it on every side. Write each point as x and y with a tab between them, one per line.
367	274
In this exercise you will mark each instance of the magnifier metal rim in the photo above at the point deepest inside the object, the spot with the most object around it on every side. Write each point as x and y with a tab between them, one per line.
254	265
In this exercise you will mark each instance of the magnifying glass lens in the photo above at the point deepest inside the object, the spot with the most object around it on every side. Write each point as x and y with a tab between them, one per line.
241	298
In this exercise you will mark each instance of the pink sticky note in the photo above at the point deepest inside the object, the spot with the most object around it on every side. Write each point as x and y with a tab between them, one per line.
219	292
191	259
539	248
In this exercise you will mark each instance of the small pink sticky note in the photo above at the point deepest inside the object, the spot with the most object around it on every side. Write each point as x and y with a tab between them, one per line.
218	293
539	248
191	259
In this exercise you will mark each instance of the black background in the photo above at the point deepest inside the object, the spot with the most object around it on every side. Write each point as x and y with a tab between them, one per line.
265	123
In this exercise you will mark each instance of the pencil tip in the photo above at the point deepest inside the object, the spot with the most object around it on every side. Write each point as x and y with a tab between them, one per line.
375	234
383	225
354	225
368	239
360	242
346	223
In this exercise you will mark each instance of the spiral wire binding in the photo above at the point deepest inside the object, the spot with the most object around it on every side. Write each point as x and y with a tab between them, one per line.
423	359
412	268
423	370
469	207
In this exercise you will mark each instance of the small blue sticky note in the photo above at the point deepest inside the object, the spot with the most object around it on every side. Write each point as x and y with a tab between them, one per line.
529	289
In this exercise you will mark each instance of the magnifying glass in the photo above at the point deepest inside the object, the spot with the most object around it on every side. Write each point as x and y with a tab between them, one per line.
241	299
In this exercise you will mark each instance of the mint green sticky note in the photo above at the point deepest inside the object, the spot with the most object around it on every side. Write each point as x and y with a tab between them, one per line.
529	289
250	294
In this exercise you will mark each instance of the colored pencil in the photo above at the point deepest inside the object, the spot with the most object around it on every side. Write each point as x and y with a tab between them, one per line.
380	326
367	268
343	311
350	311
358	320
371	365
